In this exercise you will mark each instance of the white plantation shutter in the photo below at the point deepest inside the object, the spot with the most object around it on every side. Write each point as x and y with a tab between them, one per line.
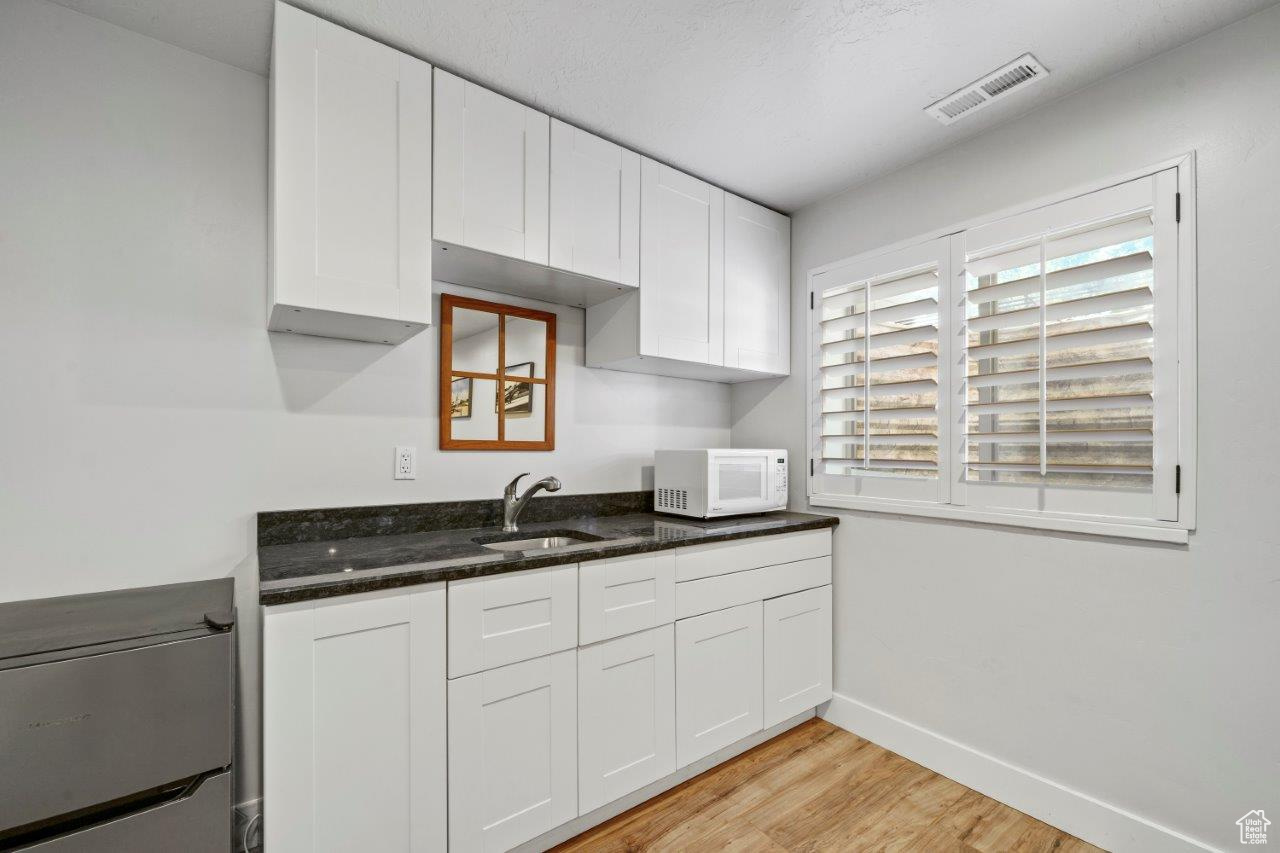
1063	380
1028	368
879	381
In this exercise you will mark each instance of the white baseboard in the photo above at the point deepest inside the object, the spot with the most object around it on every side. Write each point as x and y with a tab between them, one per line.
584	822
1099	823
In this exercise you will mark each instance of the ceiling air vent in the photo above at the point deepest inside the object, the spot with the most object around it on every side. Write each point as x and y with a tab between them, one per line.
983	91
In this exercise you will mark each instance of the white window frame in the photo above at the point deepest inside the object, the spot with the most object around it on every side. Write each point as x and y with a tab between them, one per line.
1174	531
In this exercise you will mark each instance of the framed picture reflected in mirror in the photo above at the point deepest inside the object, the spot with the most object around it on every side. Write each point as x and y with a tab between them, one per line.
460	398
517	397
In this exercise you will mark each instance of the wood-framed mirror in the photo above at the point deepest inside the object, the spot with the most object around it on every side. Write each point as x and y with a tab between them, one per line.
489	353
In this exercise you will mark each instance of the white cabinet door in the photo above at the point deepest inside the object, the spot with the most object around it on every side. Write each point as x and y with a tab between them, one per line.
595	206
507	618
757	287
513	762
719	682
492	171
681	266
626	715
353	723
797	653
351	183
625	595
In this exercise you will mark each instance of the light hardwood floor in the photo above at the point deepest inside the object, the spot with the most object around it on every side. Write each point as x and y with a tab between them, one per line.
817	788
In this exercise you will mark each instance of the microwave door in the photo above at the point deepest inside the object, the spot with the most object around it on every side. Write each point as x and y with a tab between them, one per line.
739	483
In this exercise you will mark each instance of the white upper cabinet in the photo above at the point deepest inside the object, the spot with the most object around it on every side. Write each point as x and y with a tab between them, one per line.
757	287
595	206
350	184
491	171
386	175
714	297
527	208
681	266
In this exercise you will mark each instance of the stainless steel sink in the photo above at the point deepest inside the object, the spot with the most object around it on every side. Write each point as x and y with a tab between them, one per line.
535	544
545	542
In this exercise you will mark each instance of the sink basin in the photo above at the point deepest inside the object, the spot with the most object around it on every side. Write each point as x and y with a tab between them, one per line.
538	544
543	540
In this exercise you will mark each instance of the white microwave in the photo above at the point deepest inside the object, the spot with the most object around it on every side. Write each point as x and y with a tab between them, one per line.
711	483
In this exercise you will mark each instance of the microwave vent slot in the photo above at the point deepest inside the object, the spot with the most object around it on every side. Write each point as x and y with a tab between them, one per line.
673	499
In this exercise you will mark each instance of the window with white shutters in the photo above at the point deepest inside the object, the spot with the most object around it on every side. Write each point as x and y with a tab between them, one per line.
1044	379
879	376
1061	366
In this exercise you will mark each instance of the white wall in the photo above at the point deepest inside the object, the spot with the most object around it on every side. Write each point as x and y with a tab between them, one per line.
147	414
1141	675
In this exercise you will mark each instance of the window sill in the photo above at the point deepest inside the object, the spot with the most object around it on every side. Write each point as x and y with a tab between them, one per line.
1153	532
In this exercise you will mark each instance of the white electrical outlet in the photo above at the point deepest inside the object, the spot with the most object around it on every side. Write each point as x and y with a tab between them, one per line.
406	463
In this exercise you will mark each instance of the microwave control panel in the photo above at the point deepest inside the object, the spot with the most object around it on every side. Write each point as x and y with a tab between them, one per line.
780	470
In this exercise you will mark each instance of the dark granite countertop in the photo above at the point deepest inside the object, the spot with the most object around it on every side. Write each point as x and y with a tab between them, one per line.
292	570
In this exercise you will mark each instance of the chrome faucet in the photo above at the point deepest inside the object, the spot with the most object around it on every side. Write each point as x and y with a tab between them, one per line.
512	505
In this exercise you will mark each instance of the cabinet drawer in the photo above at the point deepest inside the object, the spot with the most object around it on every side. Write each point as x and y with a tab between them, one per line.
721	558
721	591
502	619
625	595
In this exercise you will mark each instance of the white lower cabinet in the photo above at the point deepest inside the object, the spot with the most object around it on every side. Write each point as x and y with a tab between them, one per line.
626	715
566	688
719	680
797	653
513	753
353	723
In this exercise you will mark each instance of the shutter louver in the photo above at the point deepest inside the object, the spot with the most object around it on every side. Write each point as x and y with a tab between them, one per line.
879	376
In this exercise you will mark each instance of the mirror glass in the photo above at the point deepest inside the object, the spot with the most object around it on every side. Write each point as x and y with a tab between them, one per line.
497	376
523	418
475	341
526	347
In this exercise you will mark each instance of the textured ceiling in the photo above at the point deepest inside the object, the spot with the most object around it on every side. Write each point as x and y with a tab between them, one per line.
784	101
